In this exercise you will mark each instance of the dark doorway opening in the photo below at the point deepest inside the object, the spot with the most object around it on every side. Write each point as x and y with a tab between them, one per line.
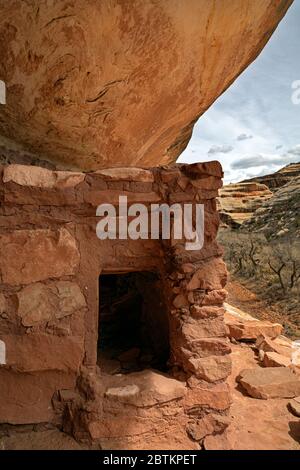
133	331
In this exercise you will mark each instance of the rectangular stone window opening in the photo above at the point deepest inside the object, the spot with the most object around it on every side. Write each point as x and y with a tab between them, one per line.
133	327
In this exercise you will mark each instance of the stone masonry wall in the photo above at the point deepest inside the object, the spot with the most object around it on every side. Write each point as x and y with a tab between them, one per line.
50	262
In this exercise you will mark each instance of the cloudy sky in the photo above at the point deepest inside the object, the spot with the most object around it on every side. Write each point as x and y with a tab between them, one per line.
254	127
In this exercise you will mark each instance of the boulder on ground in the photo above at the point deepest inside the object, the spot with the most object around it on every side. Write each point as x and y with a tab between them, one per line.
279	345
271	382
242	329
273	359
295	406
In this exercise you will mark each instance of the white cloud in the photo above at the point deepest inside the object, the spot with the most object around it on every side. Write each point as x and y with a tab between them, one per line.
220	149
263	160
244	137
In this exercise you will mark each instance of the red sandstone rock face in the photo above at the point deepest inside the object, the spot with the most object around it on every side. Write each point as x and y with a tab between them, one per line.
94	83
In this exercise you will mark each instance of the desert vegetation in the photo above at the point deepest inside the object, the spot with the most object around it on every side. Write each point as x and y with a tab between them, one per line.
270	267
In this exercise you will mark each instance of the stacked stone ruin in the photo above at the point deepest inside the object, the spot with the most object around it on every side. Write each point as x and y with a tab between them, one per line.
51	260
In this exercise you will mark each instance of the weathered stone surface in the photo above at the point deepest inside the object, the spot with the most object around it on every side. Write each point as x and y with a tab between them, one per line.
40	302
207	312
211	346
34	255
197	170
128	391
95	198
211	276
127	174
113	427
70	297
172	437
3	304
273	359
295	406
36	304
33	353
216	397
41	440
180	301
211	368
279	345
271	382
134	102
208	182
193	330
251	329
210	424
217	442
35	176
24	196
202	298
146	388
26	398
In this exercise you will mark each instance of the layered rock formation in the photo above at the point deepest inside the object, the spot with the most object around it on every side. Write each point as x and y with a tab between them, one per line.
278	179
279	216
94	83
237	202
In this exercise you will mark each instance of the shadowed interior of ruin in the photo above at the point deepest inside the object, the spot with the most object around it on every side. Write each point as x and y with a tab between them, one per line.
133	331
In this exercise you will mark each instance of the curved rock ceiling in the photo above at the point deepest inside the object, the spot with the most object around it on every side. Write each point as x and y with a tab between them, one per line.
121	82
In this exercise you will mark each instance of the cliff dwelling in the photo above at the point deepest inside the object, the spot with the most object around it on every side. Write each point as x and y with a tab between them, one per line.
100	329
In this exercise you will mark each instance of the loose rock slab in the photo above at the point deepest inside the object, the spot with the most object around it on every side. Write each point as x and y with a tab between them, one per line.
272	382
241	329
273	359
295	406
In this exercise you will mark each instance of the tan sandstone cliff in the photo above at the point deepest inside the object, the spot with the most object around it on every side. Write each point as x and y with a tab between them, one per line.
121	82
238	202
